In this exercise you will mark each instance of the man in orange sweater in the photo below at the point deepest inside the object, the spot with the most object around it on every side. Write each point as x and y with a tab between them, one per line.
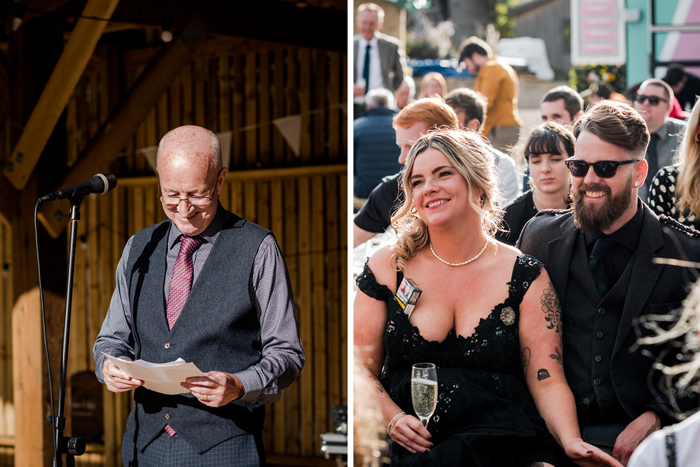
499	83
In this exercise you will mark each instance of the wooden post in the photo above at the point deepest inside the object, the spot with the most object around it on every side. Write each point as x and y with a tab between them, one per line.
53	100
33	434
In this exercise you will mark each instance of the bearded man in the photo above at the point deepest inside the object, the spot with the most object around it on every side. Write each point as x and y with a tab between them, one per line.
599	256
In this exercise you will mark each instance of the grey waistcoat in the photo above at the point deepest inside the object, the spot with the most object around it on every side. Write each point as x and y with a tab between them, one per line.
218	329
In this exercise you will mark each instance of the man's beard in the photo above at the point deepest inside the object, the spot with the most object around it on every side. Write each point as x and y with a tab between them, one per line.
592	218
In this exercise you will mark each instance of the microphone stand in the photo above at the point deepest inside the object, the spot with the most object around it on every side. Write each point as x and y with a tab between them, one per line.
71	446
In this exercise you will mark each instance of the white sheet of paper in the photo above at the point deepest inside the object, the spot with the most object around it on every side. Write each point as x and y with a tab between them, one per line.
160	377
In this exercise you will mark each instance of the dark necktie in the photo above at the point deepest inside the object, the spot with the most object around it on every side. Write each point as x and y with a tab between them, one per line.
652	160
365	68
181	281
597	263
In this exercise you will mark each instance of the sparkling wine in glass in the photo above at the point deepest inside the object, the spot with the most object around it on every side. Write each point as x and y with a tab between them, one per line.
424	390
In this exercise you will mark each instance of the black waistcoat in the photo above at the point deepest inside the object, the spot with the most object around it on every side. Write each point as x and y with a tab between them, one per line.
591	325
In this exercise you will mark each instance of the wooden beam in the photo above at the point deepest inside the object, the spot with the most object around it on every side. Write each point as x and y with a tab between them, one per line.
105	147
55	96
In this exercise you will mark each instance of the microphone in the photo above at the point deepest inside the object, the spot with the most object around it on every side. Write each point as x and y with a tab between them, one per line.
99	184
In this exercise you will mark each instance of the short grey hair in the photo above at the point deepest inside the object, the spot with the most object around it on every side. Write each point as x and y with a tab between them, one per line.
408	82
371	7
380	98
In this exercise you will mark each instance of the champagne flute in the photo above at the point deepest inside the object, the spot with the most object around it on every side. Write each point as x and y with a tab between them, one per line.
424	390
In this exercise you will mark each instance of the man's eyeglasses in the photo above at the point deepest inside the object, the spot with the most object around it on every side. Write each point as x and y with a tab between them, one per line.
173	201
603	169
653	100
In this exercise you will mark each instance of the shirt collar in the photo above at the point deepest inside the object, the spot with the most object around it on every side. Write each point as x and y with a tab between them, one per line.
627	235
209	234
363	42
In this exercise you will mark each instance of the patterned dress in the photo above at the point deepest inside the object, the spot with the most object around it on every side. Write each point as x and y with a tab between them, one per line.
662	197
485	415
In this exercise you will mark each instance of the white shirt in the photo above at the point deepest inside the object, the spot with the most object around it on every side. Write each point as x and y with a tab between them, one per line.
375	64
652	451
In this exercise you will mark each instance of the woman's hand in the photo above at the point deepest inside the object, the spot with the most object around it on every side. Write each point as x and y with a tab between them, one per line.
586	455
410	433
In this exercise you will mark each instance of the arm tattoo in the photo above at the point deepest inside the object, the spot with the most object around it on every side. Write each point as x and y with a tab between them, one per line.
556	356
551	308
380	386
542	374
525	360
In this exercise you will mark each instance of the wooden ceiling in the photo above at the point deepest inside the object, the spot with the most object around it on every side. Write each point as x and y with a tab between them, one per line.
313	23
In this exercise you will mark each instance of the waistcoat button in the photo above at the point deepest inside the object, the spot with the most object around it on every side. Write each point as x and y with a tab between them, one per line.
167	345
586	401
597	381
599	334
601	311
167	416
598	358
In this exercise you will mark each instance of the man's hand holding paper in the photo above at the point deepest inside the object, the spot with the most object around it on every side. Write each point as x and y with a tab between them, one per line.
124	375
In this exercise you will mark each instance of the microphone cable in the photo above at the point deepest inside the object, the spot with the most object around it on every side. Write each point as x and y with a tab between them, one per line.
52	418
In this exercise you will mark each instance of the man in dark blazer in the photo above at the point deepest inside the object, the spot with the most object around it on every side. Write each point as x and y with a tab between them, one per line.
600	259
386	55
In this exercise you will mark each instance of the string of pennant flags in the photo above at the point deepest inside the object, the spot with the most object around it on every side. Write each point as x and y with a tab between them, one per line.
289	127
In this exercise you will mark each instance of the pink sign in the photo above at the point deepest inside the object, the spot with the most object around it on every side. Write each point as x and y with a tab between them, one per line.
598	23
599	34
597	2
597	49
598	11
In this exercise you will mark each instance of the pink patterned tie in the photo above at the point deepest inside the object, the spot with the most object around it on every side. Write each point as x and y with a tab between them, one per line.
181	281
180	285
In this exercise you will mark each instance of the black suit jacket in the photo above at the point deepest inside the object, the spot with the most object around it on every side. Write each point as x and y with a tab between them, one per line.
653	289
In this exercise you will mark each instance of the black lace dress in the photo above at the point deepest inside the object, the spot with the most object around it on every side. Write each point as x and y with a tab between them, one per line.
485	415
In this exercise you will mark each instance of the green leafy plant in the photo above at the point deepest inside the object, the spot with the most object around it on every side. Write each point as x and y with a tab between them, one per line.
615	76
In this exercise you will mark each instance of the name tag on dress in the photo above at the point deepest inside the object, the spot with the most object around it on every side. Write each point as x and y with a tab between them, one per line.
407	295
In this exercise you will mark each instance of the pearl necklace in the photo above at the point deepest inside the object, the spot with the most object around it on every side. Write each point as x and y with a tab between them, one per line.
451	265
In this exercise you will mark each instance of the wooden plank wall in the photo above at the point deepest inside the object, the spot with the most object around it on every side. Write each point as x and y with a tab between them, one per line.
231	85
226	90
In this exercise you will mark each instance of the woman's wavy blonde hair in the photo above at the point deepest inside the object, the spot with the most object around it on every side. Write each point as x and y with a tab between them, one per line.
469	155
688	183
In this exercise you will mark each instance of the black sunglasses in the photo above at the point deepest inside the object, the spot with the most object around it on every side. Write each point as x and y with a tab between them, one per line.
653	100
603	169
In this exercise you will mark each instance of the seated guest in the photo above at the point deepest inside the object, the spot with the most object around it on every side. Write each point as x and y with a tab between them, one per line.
544	152
675	190
654	103
561	104
375	150
599	256
412	122
433	84
405	93
490	355
471	111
